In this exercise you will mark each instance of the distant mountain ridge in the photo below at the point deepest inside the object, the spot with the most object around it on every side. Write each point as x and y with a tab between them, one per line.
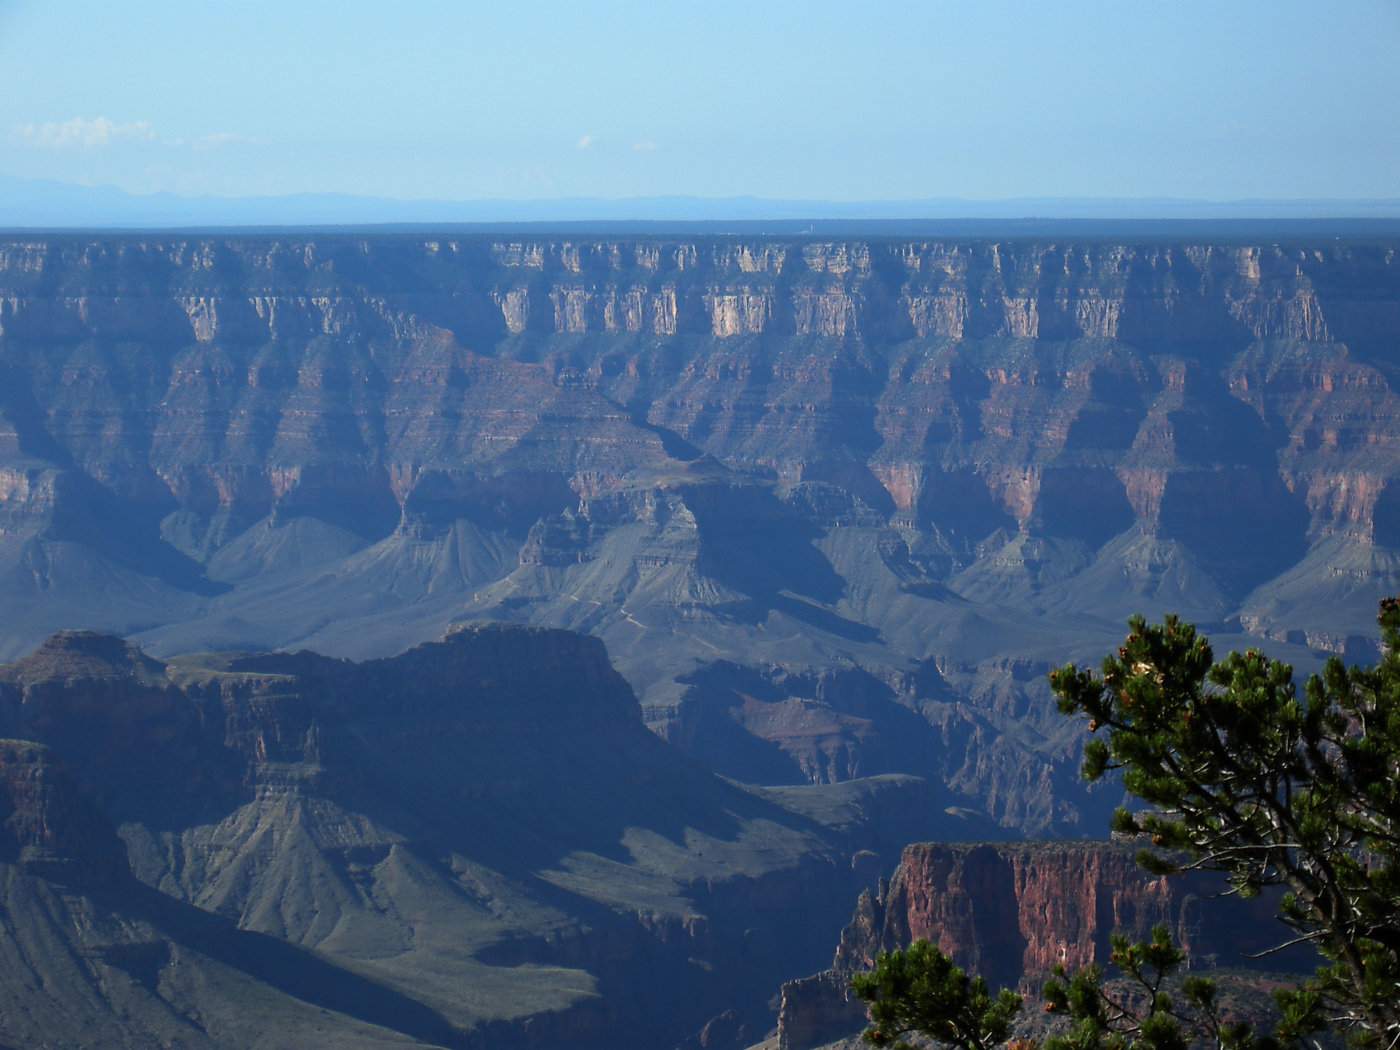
47	204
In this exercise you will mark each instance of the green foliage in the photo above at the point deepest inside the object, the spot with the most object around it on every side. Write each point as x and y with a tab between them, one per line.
1143	1015
1249	778
1270	787
919	990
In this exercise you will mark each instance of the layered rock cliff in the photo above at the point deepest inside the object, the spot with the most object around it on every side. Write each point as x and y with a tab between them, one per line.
91	957
476	843
1013	911
834	507
1004	910
49	828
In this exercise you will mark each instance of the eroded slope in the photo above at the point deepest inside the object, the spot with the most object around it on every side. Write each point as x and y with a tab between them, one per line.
475	843
834	507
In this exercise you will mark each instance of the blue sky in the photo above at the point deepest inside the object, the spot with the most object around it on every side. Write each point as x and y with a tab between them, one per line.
865	100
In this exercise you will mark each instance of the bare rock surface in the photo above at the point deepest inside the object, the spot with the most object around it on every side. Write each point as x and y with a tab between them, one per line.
475	843
1011	911
834	507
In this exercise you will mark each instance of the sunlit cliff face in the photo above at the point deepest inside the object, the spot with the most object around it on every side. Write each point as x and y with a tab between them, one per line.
799	488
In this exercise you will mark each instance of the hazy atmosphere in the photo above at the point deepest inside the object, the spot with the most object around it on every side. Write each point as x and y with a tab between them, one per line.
787	100
597	526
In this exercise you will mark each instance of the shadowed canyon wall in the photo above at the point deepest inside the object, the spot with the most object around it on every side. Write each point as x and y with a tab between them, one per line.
475	844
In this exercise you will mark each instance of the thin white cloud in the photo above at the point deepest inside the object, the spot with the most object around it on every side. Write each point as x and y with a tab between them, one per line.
585	142
82	133
223	138
644	144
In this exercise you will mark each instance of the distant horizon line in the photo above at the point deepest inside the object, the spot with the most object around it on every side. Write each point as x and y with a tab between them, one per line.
50	204
1158	198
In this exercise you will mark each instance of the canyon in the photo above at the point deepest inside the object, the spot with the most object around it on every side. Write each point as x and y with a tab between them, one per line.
831	509
476	843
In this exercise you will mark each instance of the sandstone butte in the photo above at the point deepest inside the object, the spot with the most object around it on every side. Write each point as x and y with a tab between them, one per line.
832	507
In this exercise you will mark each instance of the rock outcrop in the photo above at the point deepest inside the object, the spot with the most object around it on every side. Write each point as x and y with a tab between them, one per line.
1013	911
1004	910
49	828
475	843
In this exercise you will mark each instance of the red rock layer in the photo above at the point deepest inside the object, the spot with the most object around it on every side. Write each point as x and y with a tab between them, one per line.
1009	909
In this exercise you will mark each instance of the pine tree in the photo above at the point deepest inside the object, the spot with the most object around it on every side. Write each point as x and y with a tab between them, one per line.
919	990
1270	787
1242	773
